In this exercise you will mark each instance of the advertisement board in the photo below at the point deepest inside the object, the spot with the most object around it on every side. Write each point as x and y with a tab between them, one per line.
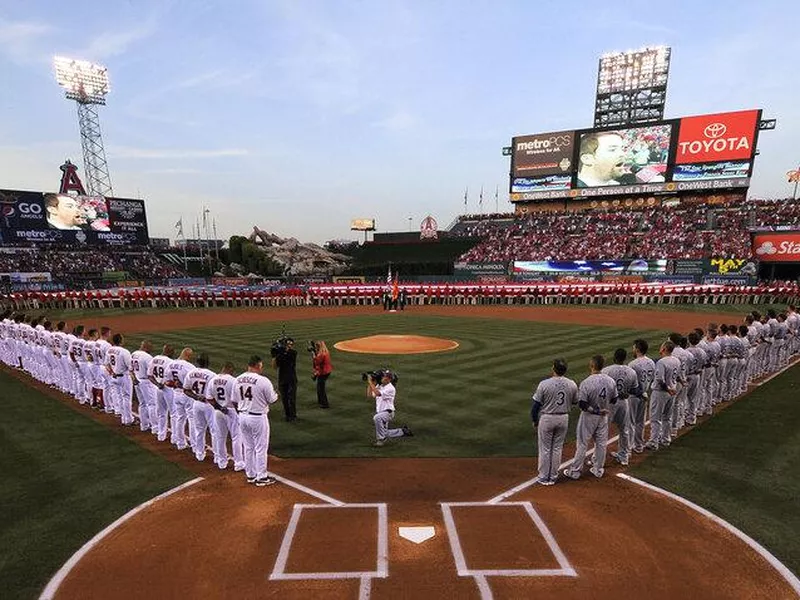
729	280
362	225
467	271
542	161
717	137
633	266
46	217
732	266
777	247
686	267
621	157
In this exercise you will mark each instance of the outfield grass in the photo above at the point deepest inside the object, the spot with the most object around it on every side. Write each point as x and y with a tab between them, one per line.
64	478
473	401
742	465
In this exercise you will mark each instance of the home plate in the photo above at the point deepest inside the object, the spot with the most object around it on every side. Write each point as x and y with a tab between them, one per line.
417	534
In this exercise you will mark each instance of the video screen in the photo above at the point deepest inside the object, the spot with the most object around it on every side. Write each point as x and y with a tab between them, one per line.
720	170
624	157
71	213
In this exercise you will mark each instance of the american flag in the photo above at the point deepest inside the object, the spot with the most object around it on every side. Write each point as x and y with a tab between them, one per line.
389	276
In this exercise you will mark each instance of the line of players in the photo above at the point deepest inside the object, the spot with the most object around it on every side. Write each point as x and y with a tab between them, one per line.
173	394
693	374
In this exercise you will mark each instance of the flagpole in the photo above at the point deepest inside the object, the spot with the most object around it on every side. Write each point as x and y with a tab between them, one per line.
480	201
496	194
466	193
216	245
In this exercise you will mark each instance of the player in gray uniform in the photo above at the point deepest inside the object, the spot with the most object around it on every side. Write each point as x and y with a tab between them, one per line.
550	414
793	321
744	358
686	359
781	338
753	339
714	352
637	404
695	394
772	356
627	382
724	364
665	388
595	394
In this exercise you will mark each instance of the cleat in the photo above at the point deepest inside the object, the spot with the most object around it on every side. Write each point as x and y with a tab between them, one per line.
266	481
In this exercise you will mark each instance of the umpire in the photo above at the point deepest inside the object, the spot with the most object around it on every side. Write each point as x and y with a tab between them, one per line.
286	363
550	414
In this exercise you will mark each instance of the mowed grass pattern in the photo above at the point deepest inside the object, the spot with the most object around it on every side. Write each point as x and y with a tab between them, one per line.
473	401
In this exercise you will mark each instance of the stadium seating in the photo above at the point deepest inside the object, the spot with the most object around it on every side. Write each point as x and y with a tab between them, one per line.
683	231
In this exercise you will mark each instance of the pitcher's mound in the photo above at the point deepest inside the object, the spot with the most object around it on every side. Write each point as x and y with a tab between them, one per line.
396	344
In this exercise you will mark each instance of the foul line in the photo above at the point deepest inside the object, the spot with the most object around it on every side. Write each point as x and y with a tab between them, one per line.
787	575
53	585
526	484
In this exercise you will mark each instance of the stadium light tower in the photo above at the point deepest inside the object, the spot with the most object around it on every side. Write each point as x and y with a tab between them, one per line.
632	86
87	84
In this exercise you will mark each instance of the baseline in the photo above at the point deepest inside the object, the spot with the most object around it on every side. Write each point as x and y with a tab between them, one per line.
54	583
784	571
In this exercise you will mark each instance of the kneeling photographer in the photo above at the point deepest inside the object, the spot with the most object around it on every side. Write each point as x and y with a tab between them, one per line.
284	358
380	385
321	363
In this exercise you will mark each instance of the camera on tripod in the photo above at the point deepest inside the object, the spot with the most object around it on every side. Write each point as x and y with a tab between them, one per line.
280	346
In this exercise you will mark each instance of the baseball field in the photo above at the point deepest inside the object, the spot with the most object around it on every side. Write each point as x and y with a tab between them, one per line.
69	472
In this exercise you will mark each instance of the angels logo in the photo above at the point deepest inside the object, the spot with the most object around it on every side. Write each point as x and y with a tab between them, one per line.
429	229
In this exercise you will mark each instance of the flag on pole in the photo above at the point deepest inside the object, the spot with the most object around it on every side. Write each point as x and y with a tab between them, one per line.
496	196
480	201
466	191
395	288
179	227
389	276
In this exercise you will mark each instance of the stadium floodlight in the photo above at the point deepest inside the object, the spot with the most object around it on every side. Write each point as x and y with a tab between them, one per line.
632	86
87	84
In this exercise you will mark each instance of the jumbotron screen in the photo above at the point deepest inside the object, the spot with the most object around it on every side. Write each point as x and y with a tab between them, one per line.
704	152
65	218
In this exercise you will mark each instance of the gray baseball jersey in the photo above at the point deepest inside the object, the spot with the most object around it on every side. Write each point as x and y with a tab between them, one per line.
668	370
598	391
556	395
700	358
626	379
645	369
714	352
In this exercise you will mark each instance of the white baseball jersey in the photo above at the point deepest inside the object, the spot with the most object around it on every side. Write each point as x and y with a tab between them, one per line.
158	368
177	371
140	364
197	381
220	389
118	359
254	393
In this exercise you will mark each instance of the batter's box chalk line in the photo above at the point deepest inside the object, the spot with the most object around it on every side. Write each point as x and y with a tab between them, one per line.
480	575
382	565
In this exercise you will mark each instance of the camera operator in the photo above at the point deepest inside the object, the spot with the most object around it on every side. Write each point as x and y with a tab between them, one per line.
383	390
321	362
286	362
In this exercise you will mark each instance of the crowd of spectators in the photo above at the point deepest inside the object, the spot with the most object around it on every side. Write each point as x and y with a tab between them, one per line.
681	231
63	262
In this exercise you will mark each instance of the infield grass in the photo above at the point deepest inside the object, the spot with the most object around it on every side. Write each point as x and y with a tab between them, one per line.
742	465
64	478
473	401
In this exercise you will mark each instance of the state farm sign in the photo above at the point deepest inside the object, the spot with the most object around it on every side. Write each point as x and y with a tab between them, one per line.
777	247
712	138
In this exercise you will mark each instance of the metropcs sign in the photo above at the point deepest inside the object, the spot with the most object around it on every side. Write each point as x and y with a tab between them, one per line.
717	137
777	247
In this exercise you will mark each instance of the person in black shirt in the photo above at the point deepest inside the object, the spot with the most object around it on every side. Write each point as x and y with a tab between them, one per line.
286	363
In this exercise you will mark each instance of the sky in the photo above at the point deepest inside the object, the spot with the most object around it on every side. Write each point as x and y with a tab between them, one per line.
298	116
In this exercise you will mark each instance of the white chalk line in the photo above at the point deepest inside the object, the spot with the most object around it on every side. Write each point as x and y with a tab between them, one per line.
381	569
57	579
784	572
530	482
480	575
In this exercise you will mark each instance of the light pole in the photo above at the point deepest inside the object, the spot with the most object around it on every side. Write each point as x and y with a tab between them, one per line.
409	223
87	84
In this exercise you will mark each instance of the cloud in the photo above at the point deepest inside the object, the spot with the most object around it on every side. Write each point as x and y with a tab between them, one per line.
178	154
397	121
114	43
18	38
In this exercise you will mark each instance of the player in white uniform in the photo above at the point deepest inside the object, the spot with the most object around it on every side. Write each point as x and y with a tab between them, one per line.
176	374
90	368
255	393
145	390
157	374
118	366
226	419
195	386
103	380
80	391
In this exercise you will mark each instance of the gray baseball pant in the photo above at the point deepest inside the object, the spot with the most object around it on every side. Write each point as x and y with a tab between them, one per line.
619	416
637	406
551	433
660	417
692	399
382	431
590	427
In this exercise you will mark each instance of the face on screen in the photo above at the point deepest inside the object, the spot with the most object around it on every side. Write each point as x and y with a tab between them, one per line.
63	212
604	159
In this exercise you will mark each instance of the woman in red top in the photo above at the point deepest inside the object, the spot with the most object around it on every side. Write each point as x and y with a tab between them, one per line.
322	370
